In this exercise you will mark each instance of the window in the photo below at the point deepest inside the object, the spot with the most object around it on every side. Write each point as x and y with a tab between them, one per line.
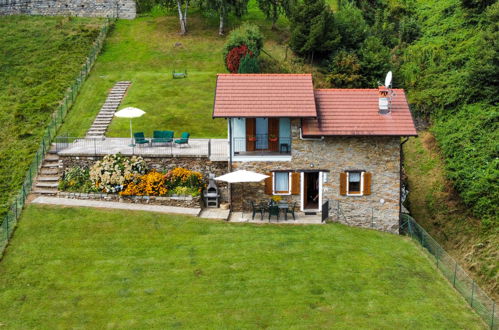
281	182
354	183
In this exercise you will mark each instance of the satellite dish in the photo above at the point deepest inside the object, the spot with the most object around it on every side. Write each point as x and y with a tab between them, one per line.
388	79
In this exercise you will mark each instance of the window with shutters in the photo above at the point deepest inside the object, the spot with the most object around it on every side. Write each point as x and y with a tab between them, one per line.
282	183
355	183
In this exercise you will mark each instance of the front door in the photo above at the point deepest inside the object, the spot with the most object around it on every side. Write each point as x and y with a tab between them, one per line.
262	131
311	191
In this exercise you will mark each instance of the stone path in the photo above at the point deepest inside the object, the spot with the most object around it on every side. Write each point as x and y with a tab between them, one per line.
106	113
301	219
47	179
212	213
116	205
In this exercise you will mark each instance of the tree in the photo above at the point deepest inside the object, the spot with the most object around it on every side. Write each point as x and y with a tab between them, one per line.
274	8
182	15
249	64
313	32
374	60
345	71
247	34
223	8
351	25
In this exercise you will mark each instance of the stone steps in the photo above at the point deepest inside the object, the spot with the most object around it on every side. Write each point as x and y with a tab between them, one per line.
106	113
47	180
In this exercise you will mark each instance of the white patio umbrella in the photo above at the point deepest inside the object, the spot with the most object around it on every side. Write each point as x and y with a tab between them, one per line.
130	112
242	176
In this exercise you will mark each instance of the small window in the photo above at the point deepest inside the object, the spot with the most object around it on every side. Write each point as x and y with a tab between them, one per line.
281	183
354	182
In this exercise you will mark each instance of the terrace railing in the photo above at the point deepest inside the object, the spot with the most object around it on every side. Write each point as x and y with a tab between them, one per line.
14	210
457	276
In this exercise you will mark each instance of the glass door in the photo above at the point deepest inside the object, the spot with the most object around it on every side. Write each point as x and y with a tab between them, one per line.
262	134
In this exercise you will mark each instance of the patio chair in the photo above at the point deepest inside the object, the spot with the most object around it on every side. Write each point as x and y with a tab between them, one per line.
274	210
257	209
184	139
291	210
140	139
162	137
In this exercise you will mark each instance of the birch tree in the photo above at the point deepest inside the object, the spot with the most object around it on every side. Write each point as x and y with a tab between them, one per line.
223	8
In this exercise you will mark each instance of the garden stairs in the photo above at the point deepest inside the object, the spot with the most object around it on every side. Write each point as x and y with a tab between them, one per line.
48	176
106	113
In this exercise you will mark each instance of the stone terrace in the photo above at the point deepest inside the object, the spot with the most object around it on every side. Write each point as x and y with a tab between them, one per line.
214	149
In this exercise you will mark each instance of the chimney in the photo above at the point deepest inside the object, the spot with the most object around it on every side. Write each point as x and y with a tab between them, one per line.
383	100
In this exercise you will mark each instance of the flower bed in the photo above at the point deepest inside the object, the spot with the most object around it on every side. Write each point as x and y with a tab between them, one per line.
130	180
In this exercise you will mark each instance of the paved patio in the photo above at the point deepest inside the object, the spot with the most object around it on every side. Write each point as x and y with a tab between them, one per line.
301	219
214	149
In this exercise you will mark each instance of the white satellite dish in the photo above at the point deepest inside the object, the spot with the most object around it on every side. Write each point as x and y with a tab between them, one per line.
388	79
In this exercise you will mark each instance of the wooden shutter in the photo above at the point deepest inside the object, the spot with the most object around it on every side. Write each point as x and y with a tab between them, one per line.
250	132
367	183
295	183
274	131
269	184
343	183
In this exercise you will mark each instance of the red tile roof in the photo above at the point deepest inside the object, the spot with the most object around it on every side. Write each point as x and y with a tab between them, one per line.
355	112
264	95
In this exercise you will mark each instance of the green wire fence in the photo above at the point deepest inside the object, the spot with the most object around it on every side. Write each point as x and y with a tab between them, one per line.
457	276
9	222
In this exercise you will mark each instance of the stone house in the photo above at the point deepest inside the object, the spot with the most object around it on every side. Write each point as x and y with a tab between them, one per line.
337	145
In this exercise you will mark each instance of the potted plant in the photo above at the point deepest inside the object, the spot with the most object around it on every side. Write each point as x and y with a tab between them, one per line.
273	138
251	138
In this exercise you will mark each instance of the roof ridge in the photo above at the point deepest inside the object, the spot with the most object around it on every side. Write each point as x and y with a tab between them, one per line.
352	89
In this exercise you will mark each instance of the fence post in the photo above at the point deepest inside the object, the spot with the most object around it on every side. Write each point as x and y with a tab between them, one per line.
437	255
455	272
95	147
472	292
209	147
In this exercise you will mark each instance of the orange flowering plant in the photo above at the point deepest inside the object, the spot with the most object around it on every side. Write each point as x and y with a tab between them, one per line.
150	184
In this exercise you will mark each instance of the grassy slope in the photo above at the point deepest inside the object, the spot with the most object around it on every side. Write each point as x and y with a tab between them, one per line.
69	267
144	51
39	58
435	205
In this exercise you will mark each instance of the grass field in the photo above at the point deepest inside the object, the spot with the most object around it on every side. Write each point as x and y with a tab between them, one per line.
146	51
39	59
87	268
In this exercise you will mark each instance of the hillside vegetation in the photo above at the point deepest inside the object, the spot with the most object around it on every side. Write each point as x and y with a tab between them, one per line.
39	58
90	268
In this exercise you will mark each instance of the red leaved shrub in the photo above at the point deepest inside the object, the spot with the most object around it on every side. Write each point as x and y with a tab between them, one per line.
234	57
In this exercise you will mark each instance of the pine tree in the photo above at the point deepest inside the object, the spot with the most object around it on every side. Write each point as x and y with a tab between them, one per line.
249	64
275	8
314	34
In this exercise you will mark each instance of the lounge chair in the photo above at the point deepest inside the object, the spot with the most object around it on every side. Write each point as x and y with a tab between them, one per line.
162	137
184	139
139	138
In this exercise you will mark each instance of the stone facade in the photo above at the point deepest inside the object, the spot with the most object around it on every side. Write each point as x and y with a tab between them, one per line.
178	201
199	164
85	8
378	155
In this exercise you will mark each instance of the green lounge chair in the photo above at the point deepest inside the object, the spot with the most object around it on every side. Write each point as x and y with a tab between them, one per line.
162	137
139	138
184	139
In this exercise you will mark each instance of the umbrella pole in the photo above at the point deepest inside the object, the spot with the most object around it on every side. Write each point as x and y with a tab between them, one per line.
131	134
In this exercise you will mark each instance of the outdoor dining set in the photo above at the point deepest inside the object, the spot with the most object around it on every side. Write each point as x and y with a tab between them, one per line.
161	137
273	208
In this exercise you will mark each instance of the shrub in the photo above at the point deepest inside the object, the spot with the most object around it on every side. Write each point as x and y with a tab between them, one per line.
233	59
184	178
247	34
150	184
185	191
249	64
76	179
113	172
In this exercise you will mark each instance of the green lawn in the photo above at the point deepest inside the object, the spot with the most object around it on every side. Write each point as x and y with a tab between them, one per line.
145	51
87	268
39	59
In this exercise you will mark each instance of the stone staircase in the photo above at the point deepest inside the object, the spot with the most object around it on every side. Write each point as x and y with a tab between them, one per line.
106	113
48	176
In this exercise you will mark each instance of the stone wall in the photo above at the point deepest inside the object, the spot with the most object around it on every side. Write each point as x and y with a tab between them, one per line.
199	164
377	155
179	201
85	8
